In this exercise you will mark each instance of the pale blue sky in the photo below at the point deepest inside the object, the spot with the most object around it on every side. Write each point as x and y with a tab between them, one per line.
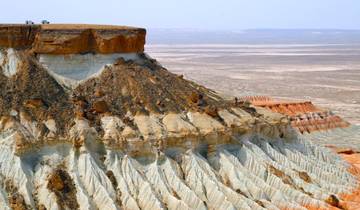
202	14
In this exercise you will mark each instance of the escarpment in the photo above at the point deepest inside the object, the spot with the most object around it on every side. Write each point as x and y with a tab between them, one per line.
73	38
90	121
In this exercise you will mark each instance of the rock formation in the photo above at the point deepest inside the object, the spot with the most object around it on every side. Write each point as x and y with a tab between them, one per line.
73	39
304	116
89	121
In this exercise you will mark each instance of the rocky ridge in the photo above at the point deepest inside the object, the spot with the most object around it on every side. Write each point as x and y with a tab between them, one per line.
304	116
89	121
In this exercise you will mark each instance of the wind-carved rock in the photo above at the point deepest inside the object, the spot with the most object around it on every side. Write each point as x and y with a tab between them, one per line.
89	121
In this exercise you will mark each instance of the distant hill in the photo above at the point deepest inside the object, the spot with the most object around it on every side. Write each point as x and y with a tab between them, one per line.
253	36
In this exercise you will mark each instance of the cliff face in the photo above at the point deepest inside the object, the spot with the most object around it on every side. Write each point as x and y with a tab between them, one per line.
89	121
73	39
17	36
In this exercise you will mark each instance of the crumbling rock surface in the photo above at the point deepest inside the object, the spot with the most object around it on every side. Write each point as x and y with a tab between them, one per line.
118	131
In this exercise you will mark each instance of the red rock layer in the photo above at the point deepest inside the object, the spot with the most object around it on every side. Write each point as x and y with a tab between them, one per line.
304	116
351	201
73	39
310	122
291	108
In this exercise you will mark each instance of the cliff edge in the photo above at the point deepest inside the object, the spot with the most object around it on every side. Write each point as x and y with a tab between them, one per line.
73	38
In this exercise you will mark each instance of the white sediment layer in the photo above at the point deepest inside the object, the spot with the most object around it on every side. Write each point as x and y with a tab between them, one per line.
13	167
177	126
96	183
71	70
205	123
82	196
149	126
4	200
237	176
9	62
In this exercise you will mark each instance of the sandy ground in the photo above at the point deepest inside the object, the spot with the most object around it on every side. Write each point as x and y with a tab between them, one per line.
328	75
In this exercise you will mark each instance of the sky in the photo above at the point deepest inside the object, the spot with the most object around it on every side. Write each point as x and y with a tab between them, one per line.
190	14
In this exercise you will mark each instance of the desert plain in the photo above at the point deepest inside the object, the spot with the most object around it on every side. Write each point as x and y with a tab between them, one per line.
326	74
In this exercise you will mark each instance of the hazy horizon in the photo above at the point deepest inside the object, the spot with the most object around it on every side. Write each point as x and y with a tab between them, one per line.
201	14
253	36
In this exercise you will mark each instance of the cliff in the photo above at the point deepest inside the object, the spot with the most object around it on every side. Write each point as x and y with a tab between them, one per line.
89	121
73	39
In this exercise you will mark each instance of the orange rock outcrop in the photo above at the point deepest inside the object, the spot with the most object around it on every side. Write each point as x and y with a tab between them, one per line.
73	38
351	201
17	36
304	116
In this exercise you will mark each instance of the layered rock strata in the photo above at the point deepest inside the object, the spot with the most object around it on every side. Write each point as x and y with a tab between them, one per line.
73	39
113	129
304	116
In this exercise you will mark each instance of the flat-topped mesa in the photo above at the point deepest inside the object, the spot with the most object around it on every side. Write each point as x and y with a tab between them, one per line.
72	38
58	79
89	121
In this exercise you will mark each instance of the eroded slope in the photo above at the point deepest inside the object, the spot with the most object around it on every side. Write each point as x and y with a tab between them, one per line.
119	131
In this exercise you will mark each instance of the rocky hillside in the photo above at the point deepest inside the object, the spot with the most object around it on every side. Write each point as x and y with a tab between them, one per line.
90	121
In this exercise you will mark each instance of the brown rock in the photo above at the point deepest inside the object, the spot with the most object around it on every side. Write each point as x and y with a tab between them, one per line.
73	38
99	107
98	93
333	201
212	111
20	141
286	179
17	202
79	114
78	142
196	99
41	207
6	122
56	182
17	35
304	176
112	179
34	103
346	151
81	104
62	185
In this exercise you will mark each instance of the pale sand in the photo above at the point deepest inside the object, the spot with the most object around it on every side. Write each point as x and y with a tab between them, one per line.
328	75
